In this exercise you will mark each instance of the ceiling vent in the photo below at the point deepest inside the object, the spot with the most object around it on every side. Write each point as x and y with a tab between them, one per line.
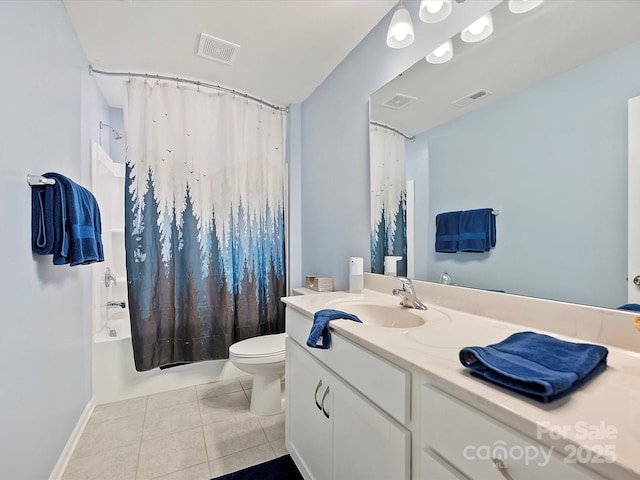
472	97
217	49
398	101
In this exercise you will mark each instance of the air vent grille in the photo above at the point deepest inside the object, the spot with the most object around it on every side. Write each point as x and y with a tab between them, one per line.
217	49
398	101
472	97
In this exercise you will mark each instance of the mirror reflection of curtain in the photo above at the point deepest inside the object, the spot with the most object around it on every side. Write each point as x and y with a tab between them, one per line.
388	198
204	222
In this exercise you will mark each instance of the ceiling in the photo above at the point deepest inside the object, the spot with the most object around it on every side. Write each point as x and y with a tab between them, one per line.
287	47
523	50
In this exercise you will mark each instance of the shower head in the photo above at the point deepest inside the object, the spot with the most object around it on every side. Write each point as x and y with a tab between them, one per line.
116	134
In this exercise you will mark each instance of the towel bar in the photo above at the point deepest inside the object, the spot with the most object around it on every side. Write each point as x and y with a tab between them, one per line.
34	180
495	212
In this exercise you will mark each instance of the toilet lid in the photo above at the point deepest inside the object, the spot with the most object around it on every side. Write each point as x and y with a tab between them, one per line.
263	346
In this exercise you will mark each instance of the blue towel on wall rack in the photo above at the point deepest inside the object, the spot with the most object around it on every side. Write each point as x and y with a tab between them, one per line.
447	231
320	327
539	366
66	222
477	231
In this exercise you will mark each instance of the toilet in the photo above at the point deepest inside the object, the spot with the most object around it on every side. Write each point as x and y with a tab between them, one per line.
264	358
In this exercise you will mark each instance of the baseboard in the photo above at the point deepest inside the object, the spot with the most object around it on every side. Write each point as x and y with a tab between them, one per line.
65	456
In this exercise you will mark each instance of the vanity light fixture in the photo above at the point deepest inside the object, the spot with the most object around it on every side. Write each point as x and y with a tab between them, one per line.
442	54
478	30
523	6
434	11
400	32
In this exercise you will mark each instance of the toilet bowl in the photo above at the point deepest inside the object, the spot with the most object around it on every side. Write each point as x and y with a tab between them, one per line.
264	358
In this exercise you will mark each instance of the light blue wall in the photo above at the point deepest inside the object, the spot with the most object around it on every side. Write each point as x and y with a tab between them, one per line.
553	160
335	142
50	110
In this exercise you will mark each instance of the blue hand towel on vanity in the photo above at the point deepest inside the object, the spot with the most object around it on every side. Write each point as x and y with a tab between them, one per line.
66	222
477	231
320	327
447	230
539	366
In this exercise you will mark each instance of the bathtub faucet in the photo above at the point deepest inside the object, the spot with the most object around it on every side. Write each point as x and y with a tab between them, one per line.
116	305
408	294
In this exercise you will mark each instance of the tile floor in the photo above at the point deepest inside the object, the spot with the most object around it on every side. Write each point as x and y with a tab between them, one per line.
194	433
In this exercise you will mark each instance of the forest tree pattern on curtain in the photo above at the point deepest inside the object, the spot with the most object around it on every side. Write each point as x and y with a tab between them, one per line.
388	198
204	222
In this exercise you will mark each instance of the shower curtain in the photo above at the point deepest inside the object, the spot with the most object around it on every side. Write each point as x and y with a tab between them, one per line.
388	198
204	221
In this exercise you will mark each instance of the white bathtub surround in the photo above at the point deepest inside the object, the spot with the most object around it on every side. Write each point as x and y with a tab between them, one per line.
460	317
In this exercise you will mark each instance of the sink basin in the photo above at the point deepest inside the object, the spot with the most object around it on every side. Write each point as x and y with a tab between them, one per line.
387	315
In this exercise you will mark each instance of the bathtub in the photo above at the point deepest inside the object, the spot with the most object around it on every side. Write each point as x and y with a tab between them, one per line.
115	377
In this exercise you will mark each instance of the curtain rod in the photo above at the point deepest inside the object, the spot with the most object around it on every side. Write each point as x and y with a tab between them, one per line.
192	82
382	125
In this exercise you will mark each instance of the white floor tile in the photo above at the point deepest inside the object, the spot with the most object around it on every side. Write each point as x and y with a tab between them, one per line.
103	436
171	453
223	407
114	464
171	398
240	460
232	436
164	421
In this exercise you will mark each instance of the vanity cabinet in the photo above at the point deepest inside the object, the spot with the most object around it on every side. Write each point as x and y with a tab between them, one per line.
333	431
461	442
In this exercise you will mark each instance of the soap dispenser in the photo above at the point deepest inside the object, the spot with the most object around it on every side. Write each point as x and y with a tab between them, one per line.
356	274
391	265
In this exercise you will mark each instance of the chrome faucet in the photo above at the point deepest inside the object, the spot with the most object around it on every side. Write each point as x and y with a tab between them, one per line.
408	295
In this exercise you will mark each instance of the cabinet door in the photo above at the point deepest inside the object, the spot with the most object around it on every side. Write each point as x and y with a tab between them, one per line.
368	444
432	467
309	431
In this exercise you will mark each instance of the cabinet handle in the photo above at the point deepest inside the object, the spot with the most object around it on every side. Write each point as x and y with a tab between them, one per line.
315	395
502	468
324	397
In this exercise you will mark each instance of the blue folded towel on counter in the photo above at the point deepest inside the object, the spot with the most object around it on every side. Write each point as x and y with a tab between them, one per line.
632	307
320	327
66	222
539	366
447	231
477	231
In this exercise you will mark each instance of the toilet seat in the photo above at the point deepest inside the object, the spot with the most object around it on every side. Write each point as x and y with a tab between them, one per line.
262	347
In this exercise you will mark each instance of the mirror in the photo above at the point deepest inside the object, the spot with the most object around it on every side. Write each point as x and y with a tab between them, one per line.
546	146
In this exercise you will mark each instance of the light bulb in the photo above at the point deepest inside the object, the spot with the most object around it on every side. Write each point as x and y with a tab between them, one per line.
434	11
441	50
477	26
478	30
434	6
400	32
442	54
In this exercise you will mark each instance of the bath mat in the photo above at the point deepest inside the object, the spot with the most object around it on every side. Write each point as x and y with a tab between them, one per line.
281	468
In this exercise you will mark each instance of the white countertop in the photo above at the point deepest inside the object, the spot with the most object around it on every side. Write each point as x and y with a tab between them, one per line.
602	416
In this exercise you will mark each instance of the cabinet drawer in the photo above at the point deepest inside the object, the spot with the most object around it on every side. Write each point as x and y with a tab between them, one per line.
382	382
475	444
